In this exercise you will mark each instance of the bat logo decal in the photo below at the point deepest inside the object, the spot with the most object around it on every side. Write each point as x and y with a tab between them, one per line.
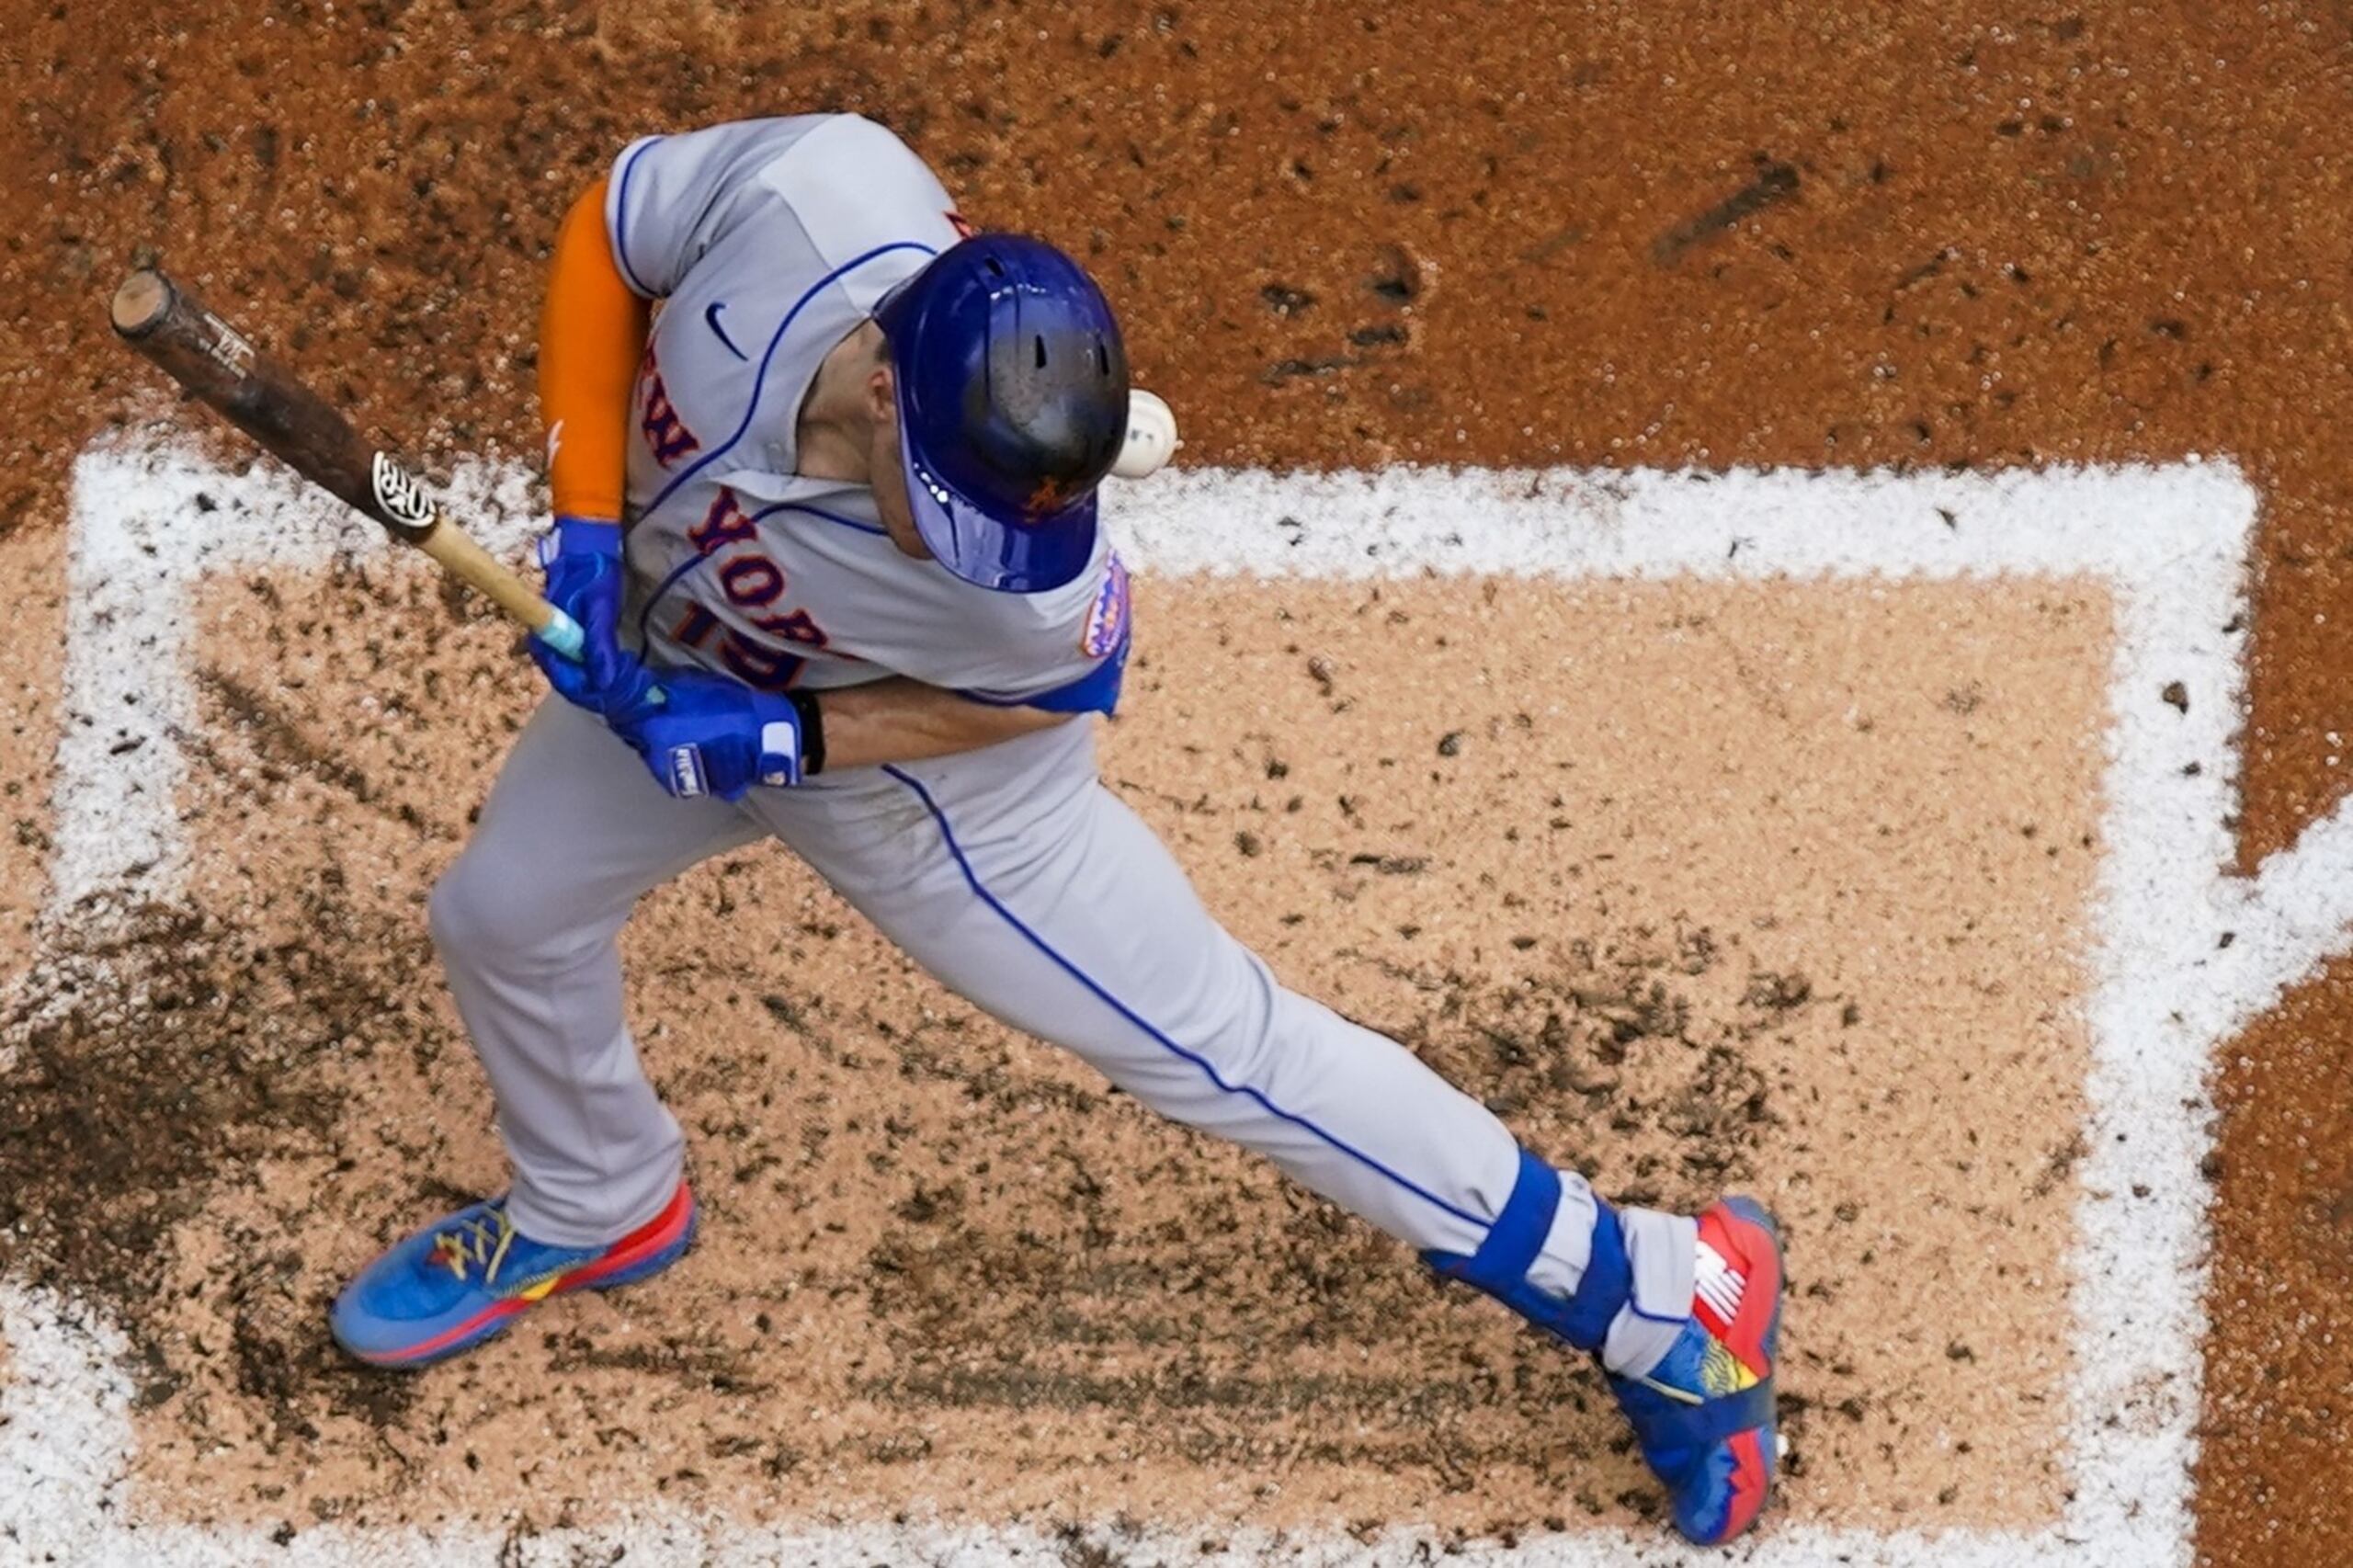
227	347
399	496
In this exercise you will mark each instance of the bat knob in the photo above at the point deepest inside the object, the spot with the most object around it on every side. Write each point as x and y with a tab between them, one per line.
563	636
141	303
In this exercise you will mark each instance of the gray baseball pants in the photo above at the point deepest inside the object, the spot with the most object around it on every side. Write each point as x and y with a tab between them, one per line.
1025	886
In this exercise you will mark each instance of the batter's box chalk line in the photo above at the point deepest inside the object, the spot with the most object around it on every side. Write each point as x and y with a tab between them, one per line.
153	516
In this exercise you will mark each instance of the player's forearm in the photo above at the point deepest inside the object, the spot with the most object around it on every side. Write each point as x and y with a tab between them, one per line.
904	721
592	334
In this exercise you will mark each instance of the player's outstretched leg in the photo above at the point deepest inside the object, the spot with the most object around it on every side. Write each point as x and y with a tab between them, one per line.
1703	1410
1038	895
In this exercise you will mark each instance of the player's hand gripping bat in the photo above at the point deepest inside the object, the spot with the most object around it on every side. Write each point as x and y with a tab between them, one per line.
270	402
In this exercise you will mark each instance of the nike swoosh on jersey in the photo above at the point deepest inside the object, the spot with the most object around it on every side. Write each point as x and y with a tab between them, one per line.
711	318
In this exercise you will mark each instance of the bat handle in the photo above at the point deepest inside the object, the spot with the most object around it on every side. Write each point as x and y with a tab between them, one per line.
563	634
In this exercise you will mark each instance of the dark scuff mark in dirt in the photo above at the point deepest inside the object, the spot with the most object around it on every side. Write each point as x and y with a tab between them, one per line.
694	1361
1638	1063
283	750
1192	1333
279	740
162	1056
1775	183
2059	1166
1395	281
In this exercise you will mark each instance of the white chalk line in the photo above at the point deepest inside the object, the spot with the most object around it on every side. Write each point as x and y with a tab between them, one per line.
2170	542
149	522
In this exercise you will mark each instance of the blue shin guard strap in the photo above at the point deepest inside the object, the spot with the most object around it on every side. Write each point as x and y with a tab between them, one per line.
1607	1285
1518	1235
1500	1266
1669	1424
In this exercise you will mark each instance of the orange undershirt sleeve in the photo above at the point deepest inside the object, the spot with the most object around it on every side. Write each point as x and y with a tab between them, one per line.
592	334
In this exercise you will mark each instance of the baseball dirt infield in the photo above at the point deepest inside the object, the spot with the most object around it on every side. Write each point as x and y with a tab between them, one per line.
1855	864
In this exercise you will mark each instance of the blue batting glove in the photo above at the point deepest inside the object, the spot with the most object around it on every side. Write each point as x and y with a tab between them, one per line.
583	558
712	735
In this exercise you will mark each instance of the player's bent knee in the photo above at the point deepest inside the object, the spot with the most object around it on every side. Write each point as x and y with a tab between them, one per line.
477	914
452	913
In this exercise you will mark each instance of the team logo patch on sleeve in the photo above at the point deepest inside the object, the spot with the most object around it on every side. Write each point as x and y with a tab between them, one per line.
1107	620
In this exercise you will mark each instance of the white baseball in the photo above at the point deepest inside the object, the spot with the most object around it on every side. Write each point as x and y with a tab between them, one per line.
1152	434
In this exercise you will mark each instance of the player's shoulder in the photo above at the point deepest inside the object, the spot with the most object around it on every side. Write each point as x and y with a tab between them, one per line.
1088	616
851	181
729	153
792	200
1005	647
872	147
816	161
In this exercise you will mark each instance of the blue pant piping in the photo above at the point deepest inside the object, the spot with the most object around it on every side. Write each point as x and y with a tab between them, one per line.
971	880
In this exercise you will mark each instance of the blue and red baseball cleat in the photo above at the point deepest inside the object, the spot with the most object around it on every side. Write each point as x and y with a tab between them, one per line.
466	1277
1704	1416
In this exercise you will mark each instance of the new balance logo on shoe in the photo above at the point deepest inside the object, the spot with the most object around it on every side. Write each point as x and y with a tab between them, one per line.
1716	1284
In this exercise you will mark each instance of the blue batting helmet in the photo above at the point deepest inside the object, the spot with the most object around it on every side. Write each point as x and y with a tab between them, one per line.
1013	402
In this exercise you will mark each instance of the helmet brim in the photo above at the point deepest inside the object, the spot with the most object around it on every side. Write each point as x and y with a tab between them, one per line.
1034	554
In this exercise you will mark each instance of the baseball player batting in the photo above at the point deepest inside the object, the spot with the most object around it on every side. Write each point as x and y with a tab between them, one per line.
824	465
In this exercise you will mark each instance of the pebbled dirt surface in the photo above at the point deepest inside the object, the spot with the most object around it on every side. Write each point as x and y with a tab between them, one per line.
1583	234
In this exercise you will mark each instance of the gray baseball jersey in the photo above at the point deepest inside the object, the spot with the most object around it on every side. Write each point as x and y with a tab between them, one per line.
1010	873
767	242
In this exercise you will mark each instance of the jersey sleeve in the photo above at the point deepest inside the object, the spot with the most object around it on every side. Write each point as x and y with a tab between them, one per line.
670	198
1067	655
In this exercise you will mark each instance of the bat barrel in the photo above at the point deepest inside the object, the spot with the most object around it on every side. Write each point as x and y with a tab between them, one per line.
197	348
276	408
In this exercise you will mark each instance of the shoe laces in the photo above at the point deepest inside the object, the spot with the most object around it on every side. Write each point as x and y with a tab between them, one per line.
480	1242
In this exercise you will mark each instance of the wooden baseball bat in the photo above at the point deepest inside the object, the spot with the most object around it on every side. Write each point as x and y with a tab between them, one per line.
272	404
